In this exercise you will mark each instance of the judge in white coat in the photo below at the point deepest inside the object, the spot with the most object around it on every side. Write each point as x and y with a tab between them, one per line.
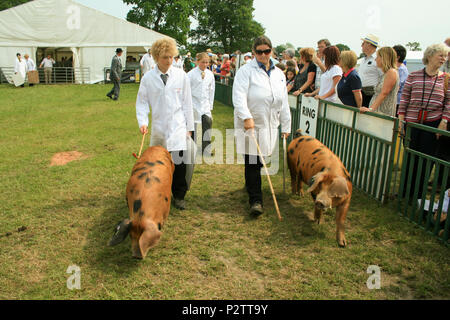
31	66
260	101
203	87
167	90
147	63
20	67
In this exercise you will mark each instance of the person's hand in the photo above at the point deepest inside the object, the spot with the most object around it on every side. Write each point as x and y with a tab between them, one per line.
285	135
442	126
189	133
249	124
308	94
144	130
364	110
297	93
315	59
318	97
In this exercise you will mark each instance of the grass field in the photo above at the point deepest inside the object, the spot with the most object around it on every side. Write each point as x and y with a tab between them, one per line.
210	251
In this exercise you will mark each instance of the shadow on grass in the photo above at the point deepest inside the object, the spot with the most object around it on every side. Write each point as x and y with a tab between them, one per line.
117	260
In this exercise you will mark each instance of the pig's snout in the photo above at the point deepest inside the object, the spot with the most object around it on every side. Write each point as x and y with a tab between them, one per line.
322	204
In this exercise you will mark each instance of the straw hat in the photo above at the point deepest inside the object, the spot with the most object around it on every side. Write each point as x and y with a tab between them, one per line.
370	38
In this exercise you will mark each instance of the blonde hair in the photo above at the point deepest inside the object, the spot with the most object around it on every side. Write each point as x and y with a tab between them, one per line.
348	59
201	56
388	58
432	50
307	54
164	46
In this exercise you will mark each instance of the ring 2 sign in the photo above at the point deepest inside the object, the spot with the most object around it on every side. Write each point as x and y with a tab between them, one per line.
308	118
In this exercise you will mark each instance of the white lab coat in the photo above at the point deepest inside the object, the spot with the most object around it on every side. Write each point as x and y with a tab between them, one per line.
178	64
265	99
21	67
202	93
172	114
31	66
147	63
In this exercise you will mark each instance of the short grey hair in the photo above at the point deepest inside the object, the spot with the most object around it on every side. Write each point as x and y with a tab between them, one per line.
290	52
432	50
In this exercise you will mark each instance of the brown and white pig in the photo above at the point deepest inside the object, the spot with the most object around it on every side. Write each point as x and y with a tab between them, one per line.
148	197
329	182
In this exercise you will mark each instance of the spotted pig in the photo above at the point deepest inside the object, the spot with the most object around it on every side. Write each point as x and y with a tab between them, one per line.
148	197
329	181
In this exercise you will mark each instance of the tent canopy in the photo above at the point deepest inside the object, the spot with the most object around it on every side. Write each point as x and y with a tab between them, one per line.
68	24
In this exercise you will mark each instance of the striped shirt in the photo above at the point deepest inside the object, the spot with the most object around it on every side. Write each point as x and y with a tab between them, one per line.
413	95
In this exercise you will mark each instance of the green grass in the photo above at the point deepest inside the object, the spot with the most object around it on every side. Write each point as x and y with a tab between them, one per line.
210	251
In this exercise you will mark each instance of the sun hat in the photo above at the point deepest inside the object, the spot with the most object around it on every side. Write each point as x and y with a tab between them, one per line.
370	38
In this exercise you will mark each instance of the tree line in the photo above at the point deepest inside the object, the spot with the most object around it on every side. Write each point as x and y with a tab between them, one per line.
222	25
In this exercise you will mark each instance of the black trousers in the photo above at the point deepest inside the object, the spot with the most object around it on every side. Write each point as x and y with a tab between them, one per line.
425	142
253	167
179	183
206	125
116	89
443	152
366	100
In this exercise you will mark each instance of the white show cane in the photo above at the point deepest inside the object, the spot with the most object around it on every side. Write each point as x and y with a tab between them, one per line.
268	176
284	164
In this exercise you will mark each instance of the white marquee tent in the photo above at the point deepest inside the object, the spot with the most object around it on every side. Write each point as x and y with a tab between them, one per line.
89	36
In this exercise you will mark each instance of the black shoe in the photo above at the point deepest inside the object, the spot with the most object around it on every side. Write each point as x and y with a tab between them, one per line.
109	96
115	98
256	209
180	204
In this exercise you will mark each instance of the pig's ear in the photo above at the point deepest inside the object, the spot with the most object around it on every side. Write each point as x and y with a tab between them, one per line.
314	181
338	188
121	231
149	238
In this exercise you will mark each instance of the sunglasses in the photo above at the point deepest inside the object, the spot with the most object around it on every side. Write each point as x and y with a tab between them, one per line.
266	52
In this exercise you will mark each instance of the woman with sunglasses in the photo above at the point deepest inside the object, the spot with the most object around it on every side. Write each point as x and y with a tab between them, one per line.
260	103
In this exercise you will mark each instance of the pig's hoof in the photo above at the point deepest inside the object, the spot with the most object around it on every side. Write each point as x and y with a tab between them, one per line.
342	243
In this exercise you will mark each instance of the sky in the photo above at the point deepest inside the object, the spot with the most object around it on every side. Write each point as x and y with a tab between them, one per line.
302	23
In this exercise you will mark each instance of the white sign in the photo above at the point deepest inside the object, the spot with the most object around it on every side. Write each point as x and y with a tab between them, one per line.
309	113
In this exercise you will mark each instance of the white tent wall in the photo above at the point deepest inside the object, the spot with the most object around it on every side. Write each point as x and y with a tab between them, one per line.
98	59
8	58
68	24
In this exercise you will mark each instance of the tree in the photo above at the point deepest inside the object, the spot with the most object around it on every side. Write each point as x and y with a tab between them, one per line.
6	4
279	49
414	46
342	47
171	18
226	26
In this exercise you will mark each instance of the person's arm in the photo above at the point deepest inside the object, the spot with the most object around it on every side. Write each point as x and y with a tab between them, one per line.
389	84
332	91
313	94
187	105
142	107
40	66
212	91
240	91
443	125
319	63
285	116
358	98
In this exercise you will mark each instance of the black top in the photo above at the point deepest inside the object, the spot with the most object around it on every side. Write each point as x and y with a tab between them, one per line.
349	83
301	78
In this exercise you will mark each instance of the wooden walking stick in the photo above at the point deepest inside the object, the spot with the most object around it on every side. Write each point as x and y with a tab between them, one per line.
268	177
284	164
142	145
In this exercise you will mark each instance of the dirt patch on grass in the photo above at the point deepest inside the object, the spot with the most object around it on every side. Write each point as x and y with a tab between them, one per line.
63	158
